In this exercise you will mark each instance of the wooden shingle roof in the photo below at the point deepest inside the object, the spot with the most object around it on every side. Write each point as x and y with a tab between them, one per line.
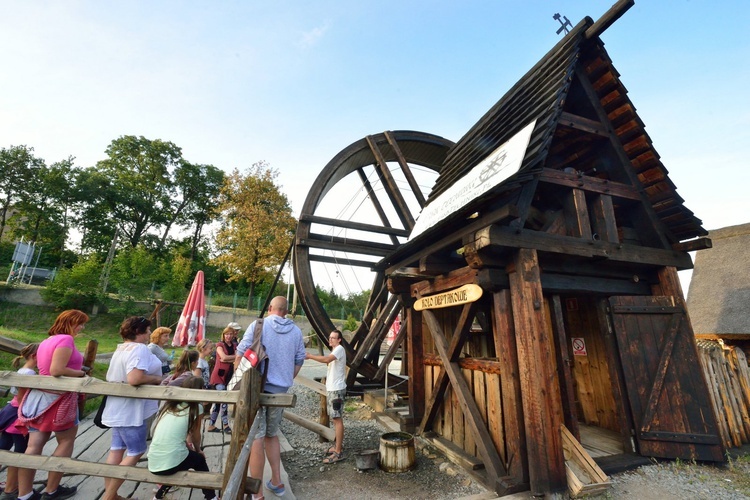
544	94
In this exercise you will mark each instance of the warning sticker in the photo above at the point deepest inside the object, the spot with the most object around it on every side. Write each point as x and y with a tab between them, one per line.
579	346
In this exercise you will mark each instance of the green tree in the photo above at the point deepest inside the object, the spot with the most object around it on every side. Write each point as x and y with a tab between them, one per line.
134	185
42	215
19	169
134	271
195	191
178	272
257	225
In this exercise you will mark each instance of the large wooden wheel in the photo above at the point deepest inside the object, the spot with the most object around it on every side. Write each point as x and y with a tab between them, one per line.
360	209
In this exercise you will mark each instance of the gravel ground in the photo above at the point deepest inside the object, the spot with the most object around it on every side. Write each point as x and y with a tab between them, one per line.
676	479
436	478
433	477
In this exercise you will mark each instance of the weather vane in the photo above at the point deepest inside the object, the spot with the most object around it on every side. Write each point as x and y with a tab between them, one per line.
563	25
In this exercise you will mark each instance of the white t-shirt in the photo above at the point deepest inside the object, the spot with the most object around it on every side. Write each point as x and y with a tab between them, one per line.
203	367
336	377
129	412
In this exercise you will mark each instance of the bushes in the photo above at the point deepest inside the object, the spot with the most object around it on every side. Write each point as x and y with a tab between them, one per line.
76	288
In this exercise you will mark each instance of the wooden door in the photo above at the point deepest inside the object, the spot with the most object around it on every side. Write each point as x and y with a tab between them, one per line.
665	385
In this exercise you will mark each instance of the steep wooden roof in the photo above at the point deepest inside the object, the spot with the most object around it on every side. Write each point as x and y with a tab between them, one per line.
555	85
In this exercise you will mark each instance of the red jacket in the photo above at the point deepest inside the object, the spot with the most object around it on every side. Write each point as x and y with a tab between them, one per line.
222	372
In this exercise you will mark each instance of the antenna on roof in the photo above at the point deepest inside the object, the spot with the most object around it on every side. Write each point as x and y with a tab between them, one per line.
564	25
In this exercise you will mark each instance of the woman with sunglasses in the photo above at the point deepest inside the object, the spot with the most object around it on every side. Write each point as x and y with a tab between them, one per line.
134	364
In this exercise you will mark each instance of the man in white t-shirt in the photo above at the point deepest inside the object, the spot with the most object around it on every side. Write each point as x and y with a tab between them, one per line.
336	389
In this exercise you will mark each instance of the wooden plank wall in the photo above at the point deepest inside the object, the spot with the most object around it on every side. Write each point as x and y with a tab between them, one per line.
484	381
593	386
728	379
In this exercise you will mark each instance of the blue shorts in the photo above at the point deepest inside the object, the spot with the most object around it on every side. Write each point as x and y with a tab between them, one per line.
132	439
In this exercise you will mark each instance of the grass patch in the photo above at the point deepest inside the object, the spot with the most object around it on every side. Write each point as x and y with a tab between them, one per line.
29	324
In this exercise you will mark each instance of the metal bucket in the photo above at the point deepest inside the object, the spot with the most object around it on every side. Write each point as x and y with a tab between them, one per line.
397	452
367	459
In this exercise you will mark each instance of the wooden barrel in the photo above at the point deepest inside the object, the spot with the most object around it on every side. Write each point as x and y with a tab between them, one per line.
397	452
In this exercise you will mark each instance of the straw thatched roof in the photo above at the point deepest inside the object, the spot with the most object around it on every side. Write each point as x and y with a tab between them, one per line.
719	293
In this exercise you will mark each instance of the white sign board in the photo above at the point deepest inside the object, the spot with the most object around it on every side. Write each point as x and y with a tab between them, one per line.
498	166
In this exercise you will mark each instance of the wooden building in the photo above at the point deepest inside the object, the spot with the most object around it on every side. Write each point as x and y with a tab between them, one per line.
557	210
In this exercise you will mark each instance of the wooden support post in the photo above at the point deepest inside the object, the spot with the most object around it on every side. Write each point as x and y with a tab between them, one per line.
577	215
244	415
512	417
88	360
415	357
669	285
323	419
540	390
603	219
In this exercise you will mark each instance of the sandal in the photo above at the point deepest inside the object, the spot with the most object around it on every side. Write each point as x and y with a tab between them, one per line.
333	458
215	429
331	450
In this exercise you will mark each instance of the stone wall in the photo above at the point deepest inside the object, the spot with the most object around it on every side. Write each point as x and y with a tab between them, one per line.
216	319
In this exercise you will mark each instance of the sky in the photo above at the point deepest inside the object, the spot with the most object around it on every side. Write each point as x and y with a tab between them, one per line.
295	82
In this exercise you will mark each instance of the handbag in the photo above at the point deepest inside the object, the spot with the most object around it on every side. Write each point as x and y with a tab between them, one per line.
253	357
98	417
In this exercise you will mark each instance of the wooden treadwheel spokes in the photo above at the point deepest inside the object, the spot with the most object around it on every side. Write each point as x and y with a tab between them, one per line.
360	209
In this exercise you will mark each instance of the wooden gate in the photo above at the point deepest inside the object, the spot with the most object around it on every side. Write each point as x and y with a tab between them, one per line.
669	400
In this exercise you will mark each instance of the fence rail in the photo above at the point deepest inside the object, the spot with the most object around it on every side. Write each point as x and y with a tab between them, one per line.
247	400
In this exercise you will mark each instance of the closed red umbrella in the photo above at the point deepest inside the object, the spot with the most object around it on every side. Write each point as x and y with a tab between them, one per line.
192	325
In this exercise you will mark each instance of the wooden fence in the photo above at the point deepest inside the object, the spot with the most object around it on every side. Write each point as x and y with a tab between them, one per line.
233	482
728	379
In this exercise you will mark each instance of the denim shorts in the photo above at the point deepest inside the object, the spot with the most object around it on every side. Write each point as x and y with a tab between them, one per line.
132	439
267	422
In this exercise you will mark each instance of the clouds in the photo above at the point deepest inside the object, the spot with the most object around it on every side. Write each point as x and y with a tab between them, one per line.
295	82
312	37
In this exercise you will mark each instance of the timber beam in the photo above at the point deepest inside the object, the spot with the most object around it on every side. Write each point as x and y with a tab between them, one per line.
580	123
490	279
589	184
407	253
562	283
693	245
348	224
495	238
